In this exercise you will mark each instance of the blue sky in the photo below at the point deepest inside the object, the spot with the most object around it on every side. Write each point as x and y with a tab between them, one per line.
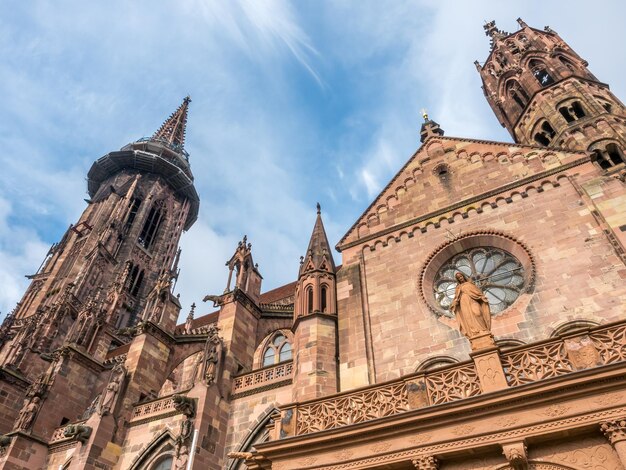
293	103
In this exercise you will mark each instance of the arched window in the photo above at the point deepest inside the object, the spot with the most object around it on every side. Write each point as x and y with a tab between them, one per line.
609	156
517	93
545	133
605	104
540	72
572	112
309	300
324	299
278	350
150	227
165	464
567	63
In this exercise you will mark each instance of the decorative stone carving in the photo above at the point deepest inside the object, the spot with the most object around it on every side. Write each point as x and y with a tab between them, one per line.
213	354
111	392
425	462
490	372
91	409
155	304
80	432
615	431
471	308
582	352
185	405
452	384
189	321
516	454
27	414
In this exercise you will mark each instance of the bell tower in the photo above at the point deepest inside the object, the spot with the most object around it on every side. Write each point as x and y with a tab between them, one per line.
544	94
116	264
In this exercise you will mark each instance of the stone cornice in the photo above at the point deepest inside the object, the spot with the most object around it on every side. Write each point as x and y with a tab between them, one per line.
308	316
82	358
14	378
465	202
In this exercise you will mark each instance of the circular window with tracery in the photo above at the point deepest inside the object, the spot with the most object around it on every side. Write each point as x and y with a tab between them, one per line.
496	272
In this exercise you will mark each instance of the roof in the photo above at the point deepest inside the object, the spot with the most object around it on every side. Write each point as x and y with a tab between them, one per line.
279	293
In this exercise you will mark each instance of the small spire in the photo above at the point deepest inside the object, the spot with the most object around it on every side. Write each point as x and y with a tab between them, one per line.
318	252
319	209
493	32
429	128
522	23
173	129
425	114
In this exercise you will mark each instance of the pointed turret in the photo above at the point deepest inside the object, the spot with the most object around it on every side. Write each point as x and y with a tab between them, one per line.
315	319
173	129
318	255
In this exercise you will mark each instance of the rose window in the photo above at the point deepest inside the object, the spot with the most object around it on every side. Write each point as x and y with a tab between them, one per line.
496	272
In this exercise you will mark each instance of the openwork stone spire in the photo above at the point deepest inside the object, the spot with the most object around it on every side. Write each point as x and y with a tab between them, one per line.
173	129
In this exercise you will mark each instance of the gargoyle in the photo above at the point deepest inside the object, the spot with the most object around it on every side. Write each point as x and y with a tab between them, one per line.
79	432
213	298
185	405
128	331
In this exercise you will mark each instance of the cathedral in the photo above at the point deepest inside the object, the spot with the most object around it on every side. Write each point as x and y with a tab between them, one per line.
477	320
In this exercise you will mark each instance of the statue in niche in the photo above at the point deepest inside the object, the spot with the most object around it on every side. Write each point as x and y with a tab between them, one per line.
27	414
471	308
213	355
112	390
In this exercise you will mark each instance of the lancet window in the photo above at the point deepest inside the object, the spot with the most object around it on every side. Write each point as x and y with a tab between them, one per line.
150	227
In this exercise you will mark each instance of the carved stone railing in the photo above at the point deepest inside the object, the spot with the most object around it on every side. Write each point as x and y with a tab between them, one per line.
554	357
58	434
263	378
154	408
565	354
415	391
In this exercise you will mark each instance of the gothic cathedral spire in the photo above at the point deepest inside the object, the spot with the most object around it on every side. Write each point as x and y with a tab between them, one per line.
173	129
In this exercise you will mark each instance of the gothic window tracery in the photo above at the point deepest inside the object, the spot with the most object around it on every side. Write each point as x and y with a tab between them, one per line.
496	272
309	299
278	350
151	227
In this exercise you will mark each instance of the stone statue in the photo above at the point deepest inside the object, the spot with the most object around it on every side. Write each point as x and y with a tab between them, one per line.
182	456
112	390
27	414
471	308
213	353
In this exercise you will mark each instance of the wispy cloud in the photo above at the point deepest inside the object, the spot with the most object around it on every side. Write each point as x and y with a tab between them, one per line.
293	103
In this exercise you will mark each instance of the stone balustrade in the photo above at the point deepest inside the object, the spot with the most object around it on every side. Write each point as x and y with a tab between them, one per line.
565	354
263	378
153	408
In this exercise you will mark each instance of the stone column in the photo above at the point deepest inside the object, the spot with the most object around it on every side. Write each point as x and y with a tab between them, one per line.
425	462
615	432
